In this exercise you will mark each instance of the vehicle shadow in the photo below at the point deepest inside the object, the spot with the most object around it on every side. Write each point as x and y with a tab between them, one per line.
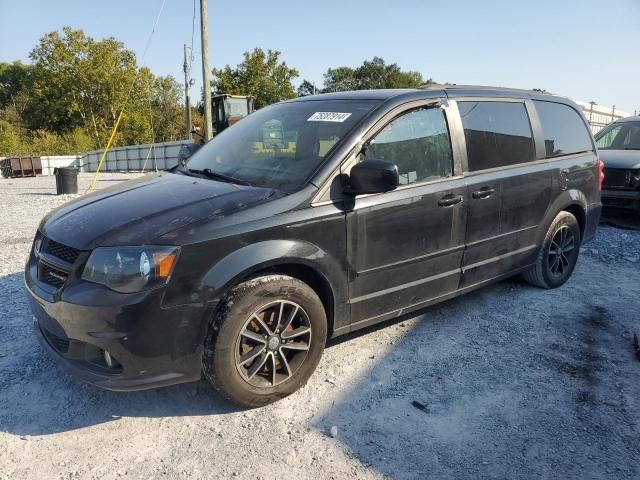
39	194
38	398
620	218
491	384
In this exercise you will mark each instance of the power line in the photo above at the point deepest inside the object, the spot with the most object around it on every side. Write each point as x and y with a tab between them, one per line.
144	52
126	99
193	30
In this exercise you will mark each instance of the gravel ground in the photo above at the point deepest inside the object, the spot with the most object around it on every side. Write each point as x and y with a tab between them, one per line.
509	382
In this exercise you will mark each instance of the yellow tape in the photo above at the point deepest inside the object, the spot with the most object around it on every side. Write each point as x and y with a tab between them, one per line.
148	155
104	154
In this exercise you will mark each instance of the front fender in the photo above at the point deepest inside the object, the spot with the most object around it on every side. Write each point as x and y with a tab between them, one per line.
257	257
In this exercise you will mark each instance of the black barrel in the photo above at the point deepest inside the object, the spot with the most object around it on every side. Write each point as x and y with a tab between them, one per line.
66	180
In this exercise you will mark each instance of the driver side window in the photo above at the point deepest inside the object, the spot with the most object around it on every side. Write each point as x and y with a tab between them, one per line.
418	143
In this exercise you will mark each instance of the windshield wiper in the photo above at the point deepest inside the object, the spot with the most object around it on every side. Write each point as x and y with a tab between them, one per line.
619	148
207	172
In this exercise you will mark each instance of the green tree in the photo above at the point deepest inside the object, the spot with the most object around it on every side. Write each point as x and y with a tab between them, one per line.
168	113
306	88
47	142
9	140
80	82
77	142
68	100
77	87
372	74
261	75
340	79
197	116
15	83
14	79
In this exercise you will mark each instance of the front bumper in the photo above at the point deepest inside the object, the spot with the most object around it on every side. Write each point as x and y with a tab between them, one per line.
621	198
152	346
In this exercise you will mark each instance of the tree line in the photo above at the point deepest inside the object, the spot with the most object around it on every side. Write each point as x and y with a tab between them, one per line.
67	100
262	75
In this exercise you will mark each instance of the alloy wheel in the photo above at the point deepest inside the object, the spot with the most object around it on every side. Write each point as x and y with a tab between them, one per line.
273	343
561	250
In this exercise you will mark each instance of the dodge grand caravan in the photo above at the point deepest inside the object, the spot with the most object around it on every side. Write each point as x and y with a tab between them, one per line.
307	220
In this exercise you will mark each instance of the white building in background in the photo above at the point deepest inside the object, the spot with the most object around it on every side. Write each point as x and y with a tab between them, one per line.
599	116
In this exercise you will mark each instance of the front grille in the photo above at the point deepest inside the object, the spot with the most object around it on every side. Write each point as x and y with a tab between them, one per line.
63	252
51	275
616	178
51	271
60	344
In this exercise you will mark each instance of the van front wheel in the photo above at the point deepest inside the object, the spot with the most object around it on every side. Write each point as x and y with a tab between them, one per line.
558	254
265	340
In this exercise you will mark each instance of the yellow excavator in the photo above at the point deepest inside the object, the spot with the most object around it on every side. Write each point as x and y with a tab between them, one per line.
227	110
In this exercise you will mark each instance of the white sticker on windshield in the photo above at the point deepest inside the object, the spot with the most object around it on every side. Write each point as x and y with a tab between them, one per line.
328	117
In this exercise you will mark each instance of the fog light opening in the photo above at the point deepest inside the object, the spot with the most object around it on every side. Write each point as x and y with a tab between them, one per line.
109	360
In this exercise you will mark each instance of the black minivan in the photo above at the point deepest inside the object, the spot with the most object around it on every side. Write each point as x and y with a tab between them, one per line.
309	219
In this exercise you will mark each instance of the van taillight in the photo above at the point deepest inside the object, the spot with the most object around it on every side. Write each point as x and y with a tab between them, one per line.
600	174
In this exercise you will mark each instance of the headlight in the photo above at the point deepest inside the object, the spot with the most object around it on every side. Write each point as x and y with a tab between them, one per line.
130	269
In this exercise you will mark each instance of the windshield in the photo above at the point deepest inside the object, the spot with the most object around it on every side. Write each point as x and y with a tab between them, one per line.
621	136
237	107
282	145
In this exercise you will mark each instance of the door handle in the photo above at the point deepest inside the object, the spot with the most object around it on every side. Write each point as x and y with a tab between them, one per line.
484	192
449	200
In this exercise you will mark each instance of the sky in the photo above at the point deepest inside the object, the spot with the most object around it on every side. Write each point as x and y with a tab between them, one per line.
586	50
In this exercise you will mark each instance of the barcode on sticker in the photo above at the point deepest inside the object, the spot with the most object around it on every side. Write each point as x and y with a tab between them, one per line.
328	117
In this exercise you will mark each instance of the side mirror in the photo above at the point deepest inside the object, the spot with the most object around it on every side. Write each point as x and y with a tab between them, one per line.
373	176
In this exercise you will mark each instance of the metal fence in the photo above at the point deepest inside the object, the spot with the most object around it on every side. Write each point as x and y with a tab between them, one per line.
133	157
52	162
599	116
119	159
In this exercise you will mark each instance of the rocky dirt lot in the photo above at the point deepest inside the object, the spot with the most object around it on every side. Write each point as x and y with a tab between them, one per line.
512	382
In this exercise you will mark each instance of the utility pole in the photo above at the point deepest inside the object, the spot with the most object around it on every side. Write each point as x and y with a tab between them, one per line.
187	100
206	83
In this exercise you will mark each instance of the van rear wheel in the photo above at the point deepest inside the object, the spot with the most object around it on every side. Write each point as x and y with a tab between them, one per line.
558	254
265	341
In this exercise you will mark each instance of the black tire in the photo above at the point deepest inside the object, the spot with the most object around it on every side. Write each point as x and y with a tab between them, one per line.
266	296
542	273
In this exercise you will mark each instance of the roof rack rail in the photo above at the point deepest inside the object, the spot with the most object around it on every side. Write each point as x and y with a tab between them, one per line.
453	86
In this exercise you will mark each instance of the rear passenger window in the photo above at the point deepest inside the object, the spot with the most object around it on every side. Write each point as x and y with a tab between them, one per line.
418	143
496	133
563	129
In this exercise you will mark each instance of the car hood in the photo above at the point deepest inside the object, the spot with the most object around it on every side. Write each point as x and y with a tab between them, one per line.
138	211
627	159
